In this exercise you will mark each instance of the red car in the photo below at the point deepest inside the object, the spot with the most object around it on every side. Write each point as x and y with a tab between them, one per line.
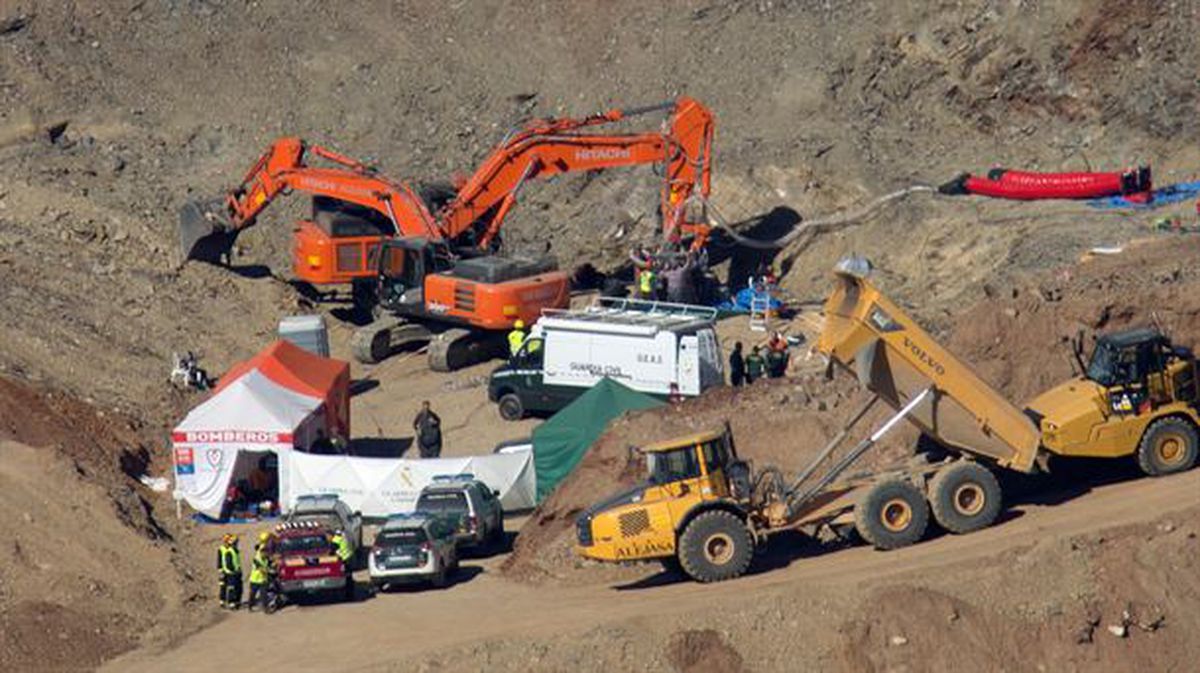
308	563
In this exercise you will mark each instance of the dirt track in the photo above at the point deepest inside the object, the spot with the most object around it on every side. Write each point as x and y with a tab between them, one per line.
392	629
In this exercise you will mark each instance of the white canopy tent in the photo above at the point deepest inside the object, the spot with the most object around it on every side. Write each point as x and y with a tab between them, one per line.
251	415
221	440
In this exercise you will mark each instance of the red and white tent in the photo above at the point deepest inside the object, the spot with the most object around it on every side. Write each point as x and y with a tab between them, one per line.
282	398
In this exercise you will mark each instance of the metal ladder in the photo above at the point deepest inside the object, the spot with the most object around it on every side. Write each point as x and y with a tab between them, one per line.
760	310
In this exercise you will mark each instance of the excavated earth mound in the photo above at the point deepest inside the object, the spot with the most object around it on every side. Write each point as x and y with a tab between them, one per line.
784	423
1016	337
1014	340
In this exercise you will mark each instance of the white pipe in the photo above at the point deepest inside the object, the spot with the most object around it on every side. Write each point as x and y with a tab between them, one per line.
899	415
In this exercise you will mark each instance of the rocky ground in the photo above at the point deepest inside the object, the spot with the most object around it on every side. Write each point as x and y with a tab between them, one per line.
113	114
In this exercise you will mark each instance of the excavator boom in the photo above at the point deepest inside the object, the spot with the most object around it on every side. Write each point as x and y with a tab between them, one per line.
545	148
541	149
208	230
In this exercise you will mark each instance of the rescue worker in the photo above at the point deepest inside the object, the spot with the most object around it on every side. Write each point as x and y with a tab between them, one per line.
674	396
776	363
647	283
429	432
737	366
260	573
516	338
777	356
229	563
777	342
754	366
341	547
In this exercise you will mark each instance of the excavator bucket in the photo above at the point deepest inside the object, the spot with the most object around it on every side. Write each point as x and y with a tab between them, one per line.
205	233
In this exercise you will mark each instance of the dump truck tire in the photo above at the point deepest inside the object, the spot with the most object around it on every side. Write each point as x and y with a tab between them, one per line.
891	514
1168	446
965	497
510	407
715	546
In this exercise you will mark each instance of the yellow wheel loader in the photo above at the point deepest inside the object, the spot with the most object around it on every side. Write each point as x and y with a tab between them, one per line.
705	510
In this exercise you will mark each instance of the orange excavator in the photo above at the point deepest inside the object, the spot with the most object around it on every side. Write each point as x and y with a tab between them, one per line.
424	260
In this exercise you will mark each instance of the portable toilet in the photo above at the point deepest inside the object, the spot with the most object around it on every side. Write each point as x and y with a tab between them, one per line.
306	331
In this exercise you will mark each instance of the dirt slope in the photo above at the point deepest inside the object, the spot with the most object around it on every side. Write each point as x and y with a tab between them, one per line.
820	105
90	569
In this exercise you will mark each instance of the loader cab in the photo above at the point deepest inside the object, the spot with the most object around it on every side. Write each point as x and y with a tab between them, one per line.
705	464
403	264
1141	367
686	476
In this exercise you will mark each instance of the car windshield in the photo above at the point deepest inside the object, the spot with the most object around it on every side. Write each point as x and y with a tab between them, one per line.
674	465
448	503
401	537
303	543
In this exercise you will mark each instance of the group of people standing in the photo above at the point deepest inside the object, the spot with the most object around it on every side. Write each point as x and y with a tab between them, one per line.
671	278
746	369
229	565
263	567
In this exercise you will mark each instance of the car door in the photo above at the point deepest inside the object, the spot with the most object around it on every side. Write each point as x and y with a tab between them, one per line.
491	507
528	378
351	524
449	549
475	497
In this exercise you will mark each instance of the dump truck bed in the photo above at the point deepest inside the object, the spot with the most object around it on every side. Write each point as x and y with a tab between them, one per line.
896	359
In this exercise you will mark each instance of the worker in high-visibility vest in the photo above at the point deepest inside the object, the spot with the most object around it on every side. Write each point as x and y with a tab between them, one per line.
516	338
646	283
229	563
260	572
341	547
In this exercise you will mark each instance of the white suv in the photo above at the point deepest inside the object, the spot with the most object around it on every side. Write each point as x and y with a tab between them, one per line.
413	548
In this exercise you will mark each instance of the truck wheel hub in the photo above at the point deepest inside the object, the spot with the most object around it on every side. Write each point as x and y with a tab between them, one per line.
969	499
718	549
896	515
1170	449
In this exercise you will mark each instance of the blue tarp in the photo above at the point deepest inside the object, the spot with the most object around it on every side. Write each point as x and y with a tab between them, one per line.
1163	196
741	301
209	521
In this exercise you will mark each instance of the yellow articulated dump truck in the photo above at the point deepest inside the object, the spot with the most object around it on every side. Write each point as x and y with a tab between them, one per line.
707	511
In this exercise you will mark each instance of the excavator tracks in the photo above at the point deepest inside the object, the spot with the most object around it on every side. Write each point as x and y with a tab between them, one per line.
448	350
375	342
458	348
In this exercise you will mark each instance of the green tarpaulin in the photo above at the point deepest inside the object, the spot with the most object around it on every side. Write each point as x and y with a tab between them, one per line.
559	443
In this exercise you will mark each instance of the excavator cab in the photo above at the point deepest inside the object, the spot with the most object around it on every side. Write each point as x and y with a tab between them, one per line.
403	264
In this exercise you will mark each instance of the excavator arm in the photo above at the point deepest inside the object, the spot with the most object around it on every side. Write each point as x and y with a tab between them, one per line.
545	148
541	149
208	230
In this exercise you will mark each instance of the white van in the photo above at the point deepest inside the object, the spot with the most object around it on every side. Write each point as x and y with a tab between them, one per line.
644	345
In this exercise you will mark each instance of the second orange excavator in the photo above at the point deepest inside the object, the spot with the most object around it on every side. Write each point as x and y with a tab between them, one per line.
424	260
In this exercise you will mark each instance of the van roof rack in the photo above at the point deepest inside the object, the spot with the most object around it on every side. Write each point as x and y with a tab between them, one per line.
636	312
